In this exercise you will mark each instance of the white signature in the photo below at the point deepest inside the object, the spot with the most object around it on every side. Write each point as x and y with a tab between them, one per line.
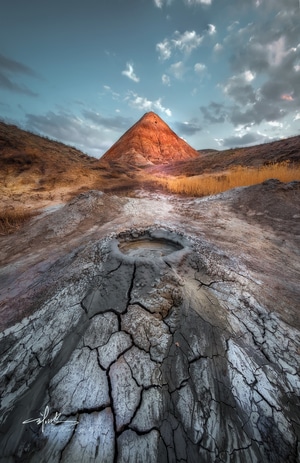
43	420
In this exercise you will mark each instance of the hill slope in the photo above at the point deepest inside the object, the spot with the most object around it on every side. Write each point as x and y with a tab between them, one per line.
150	141
252	156
36	172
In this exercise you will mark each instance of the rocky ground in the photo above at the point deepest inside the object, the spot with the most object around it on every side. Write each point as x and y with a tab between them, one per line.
161	329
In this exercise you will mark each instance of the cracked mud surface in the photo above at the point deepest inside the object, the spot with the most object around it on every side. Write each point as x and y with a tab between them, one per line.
169	333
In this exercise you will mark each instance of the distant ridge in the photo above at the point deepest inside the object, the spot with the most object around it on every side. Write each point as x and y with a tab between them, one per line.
150	141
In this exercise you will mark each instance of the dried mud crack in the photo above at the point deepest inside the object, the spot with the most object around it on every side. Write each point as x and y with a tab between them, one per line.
155	361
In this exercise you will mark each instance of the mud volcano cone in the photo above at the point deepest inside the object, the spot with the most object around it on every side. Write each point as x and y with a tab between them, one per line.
150	141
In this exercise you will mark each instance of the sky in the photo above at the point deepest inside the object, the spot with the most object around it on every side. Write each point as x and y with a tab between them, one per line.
220	73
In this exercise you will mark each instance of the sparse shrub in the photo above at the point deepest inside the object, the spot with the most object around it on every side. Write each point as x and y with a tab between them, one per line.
12	219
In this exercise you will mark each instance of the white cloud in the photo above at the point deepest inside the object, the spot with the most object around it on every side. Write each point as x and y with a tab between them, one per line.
198	2
161	3
248	76
220	141
212	29
275	124
140	102
166	80
157	105
164	49
178	70
218	47
199	68
297	67
242	129
232	26
108	89
129	72
297	117
146	105
185	43
276	51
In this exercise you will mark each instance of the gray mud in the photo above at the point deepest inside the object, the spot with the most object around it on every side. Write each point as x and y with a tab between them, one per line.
163	346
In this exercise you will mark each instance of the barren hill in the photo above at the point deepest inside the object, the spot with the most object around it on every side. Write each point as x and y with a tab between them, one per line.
38	167
150	141
36	172
22	151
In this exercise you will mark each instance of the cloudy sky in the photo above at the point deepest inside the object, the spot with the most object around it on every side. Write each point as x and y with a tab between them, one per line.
221	73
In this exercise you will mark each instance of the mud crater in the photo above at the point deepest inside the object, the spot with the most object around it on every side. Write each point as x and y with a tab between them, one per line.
148	244
149	247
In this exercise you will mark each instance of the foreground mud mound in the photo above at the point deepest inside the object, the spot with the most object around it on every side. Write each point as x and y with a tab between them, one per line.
156	354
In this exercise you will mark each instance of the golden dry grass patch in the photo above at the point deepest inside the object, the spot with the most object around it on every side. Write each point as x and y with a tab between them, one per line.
210	184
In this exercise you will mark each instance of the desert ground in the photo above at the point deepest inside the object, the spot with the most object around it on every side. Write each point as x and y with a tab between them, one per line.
139	324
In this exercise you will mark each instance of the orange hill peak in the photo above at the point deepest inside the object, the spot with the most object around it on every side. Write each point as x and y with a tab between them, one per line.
150	141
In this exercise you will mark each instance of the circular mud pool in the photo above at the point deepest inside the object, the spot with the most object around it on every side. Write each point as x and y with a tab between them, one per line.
149	247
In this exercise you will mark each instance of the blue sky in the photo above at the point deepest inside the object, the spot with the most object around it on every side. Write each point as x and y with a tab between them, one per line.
221	73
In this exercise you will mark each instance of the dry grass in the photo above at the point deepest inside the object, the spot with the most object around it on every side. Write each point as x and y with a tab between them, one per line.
204	185
12	219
